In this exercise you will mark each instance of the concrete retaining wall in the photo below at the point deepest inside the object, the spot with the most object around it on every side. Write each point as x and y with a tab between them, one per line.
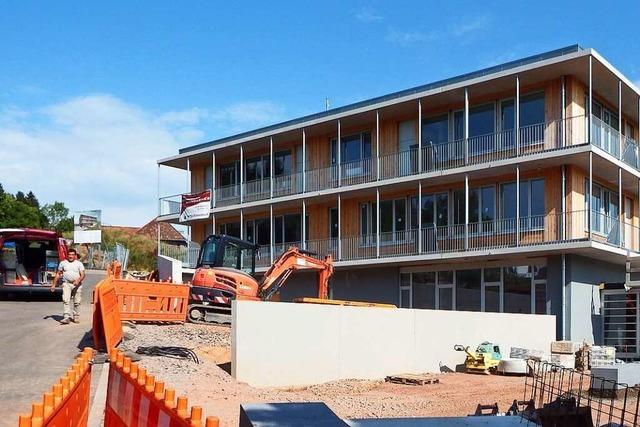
285	344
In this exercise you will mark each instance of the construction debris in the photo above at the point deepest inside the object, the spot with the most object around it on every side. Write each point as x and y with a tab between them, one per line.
173	352
412	379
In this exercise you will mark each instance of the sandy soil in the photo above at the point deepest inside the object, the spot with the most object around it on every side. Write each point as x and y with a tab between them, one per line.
209	384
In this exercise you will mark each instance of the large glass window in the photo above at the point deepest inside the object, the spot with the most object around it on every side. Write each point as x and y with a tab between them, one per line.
256	168
468	286
423	288
531	202
281	163
208	177
288	228
517	289
230	229
257	231
393	215
605	210
481	202
435	130
368	227
353	148
229	174
333	223
532	109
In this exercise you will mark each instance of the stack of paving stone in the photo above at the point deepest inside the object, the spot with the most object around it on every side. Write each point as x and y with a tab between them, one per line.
601	356
563	353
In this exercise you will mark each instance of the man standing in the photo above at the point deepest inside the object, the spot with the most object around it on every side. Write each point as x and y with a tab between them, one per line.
72	272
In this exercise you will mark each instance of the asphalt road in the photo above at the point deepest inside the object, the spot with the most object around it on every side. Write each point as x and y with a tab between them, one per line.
35	349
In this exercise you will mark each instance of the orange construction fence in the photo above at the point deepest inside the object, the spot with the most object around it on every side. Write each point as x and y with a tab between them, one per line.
107	326
135	398
67	404
145	301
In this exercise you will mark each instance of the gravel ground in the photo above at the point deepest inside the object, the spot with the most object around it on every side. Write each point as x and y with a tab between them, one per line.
209	384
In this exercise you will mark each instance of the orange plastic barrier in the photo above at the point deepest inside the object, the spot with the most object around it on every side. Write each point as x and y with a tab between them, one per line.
107	327
137	399
145	301
68	402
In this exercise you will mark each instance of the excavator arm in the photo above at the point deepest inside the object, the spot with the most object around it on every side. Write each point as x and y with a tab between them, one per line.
294	260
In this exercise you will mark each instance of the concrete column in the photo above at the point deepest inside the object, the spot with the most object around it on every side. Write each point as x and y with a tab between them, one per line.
188	176
420	243
466	211
517	205
620	208
213	179
466	126
419	136
241	174
563	215
304	224
378	222
271	233
339	228
517	114
159	207
590	112
620	145
589	215
271	172
339	156
563	113
377	145
304	161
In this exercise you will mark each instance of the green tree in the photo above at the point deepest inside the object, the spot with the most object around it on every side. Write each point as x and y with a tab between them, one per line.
57	216
32	200
14	213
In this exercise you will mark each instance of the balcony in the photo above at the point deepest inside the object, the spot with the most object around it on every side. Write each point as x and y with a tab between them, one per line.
534	139
542	230
188	255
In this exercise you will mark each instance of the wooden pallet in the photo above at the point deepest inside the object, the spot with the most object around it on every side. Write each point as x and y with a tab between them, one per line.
412	379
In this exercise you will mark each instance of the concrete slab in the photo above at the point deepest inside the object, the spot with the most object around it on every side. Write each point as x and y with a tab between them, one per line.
288	415
438	421
623	373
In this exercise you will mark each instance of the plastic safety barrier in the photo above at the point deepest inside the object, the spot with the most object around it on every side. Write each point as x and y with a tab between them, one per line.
145	301
107	327
67	404
135	398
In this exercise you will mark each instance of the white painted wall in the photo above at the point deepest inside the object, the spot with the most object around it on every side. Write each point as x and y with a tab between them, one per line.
287	344
169	268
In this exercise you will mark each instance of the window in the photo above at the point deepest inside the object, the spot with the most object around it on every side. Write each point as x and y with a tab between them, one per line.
605	211
511	289
288	228
423	290
435	130
481	208
532	209
353	148
230	229
468	286
282	163
393	218
333	223
517	289
258	231
532	119
229	174
368	227
257	168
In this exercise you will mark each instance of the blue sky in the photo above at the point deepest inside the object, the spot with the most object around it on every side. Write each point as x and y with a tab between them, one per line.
121	84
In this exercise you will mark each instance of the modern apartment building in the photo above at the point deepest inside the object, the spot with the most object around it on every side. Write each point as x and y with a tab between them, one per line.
470	193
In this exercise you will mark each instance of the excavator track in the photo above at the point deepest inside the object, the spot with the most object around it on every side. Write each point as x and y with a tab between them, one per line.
209	314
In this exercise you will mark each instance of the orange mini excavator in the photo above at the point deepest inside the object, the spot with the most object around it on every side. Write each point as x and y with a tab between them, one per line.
226	270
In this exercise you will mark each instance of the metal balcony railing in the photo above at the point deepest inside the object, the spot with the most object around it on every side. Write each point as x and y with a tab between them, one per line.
532	139
170	205
188	254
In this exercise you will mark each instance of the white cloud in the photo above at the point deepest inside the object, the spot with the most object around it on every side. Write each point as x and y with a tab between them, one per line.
368	15
409	37
477	23
99	152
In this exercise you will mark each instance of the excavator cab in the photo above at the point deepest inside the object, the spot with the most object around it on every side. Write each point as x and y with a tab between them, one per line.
219	250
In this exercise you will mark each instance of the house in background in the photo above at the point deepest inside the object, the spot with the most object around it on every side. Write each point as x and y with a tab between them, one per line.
510	189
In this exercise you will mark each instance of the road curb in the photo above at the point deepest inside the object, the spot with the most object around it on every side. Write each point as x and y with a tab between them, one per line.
96	414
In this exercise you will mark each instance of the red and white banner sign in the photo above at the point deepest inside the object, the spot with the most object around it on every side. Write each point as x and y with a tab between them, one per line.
195	206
